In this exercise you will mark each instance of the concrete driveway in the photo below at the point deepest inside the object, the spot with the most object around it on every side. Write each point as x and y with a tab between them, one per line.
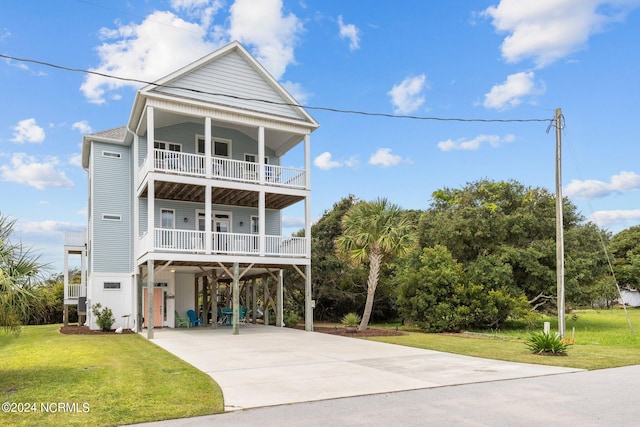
265	366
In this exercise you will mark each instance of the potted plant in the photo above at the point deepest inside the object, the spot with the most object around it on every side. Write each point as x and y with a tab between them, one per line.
351	321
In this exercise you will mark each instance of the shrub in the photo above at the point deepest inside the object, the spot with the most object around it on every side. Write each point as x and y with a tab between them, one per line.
291	319
104	317
550	344
350	319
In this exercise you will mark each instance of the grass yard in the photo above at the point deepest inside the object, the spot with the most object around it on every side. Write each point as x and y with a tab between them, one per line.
101	380
602	340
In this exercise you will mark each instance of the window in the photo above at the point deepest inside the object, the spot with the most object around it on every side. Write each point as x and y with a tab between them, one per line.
111	285
255	228
111	154
221	147
111	217
167	218
159	145
254	158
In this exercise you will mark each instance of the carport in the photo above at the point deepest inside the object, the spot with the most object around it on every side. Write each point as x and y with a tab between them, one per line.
267	365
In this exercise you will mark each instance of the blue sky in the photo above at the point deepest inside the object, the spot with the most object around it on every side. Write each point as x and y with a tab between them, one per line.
509	59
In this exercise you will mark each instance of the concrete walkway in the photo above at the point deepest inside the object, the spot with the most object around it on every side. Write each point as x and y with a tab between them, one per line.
266	366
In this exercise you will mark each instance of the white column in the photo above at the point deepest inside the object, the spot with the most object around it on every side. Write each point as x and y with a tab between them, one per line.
308	303
207	146
307	162
307	226
207	218
261	169
279	300
150	289
265	308
261	222
151	206
236	298
150	140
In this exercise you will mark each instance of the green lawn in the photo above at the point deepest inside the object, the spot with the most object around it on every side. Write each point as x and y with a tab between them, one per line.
603	339
102	379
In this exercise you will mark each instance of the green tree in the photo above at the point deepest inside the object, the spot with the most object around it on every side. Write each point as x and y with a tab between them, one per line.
436	294
373	231
505	232
625	248
19	280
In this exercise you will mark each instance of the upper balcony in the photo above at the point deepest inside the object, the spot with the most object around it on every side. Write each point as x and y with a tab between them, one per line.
195	165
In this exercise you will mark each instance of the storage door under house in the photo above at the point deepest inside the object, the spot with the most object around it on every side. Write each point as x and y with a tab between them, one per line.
158	306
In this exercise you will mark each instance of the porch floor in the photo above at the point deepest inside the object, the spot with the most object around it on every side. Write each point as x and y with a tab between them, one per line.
266	365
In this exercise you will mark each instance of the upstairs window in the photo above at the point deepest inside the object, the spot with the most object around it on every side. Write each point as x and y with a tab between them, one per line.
220	147
159	145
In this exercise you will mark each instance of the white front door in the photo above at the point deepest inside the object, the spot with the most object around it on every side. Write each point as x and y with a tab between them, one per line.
167	223
221	223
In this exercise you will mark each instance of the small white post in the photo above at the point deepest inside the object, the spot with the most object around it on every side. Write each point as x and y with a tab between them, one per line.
547	327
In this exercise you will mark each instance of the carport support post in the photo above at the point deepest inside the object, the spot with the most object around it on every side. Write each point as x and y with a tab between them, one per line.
214	295
150	281
265	304
308	308
279	302
254	301
236	298
139	305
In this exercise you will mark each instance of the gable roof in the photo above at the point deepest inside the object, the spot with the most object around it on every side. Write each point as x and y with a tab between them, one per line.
231	77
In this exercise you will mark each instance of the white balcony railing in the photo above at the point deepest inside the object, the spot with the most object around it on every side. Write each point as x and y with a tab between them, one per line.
73	291
188	241
223	168
75	238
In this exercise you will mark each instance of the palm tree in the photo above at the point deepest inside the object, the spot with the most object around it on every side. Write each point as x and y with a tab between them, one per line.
19	278
373	231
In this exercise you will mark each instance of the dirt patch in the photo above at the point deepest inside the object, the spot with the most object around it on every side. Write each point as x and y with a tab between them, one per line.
369	332
84	330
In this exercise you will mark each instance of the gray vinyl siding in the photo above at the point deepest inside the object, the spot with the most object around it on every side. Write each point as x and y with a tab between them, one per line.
185	135
231	74
112	248
187	210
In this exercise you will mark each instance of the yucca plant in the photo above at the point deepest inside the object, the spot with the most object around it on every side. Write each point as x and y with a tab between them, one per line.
351	319
550	344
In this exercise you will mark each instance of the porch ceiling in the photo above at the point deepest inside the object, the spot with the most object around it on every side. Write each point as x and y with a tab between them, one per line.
224	196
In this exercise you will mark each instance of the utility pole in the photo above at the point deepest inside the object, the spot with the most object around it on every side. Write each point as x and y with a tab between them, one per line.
559	224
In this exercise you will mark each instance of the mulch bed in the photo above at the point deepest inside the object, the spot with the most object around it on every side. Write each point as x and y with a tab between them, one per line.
84	330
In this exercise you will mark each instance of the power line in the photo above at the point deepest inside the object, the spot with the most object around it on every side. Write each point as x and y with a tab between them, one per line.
266	101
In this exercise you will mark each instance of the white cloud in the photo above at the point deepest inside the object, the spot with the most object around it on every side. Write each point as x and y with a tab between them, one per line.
349	32
297	91
324	161
620	218
407	96
475	143
383	157
27	170
28	131
510	93
82	126
4	34
293	222
592	189
547	30
146	51
76	160
272	34
156	46
47	227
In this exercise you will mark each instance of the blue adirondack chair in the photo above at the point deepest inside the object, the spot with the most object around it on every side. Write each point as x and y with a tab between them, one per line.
193	319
